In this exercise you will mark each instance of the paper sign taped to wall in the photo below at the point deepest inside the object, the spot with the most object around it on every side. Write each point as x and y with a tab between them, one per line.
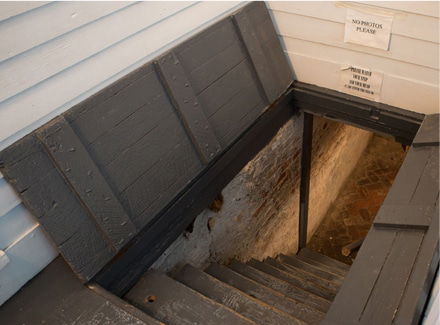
367	29
361	82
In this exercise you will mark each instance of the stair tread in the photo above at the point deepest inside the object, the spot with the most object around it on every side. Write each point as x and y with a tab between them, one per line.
328	268
304	274
296	279
249	307
281	286
270	296
174	303
328	261
295	262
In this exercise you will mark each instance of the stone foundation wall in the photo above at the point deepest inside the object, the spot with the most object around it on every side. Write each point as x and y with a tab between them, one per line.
259	214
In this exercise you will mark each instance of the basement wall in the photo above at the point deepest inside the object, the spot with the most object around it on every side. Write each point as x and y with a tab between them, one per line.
259	215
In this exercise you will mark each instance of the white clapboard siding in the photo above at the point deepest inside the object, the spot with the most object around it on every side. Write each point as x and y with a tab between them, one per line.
68	87
426	8
332	33
54	55
403	22
23	259
52	20
312	35
24	71
405	93
10	9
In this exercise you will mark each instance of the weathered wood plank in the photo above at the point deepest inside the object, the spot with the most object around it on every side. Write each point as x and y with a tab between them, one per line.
133	127
304	274
102	111
162	182
77	166
123	273
284	287
136	160
346	309
248	22
186	103
323	260
428	134
419	283
405	216
320	272
263	293
56	296
46	194
295	279
174	303
251	308
390	285
227	87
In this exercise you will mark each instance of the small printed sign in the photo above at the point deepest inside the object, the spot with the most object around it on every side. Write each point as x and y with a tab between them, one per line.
361	82
367	29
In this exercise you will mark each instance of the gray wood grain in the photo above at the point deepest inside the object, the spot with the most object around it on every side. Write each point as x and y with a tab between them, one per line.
250	307
428	134
390	285
87	181
263	293
174	303
48	196
251	21
419	283
279	285
405	216
295	279
188	106
103	111
354	294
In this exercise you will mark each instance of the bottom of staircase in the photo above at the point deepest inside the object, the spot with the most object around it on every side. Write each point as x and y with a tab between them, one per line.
295	289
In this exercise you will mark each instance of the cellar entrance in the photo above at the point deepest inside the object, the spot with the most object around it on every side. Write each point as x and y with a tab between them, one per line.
351	214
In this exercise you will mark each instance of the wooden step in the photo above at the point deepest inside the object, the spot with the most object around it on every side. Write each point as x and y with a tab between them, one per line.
281	286
329	268
298	272
250	307
174	303
320	259
294	279
274	298
321	272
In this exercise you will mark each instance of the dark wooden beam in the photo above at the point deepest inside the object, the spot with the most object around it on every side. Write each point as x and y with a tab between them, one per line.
359	112
126	268
306	159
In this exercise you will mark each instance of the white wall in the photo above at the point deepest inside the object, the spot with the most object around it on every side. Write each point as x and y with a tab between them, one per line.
52	56
312	34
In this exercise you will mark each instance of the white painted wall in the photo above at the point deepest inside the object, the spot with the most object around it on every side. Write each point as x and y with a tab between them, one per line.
52	56
312	34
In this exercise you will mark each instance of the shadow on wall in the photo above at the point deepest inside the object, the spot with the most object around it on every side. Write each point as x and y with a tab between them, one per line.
258	216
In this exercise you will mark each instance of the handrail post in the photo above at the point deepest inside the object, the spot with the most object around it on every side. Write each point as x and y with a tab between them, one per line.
306	157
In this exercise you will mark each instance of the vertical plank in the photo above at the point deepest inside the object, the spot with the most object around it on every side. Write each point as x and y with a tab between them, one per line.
74	162
262	49
44	191
188	106
388	290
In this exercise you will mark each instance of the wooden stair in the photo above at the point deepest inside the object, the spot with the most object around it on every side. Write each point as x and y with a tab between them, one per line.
287	290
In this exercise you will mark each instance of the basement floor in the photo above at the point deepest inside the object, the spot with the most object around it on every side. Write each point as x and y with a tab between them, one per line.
350	216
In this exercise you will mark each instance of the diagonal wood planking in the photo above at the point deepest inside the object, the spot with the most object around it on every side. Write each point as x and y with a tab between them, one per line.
90	186
110	166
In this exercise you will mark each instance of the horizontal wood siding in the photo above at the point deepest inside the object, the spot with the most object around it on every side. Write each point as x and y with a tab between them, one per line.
56	54
312	36
98	174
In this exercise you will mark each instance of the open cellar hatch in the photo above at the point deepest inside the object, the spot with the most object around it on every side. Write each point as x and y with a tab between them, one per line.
206	155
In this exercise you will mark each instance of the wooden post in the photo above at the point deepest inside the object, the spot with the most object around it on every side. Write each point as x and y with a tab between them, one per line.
306	157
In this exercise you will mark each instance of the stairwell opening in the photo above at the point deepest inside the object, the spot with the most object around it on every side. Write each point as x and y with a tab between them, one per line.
256	214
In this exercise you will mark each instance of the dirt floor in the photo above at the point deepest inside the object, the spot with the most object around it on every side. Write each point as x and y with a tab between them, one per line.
352	213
